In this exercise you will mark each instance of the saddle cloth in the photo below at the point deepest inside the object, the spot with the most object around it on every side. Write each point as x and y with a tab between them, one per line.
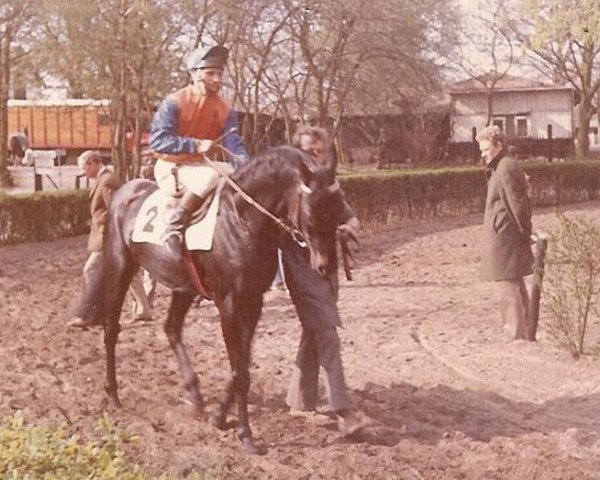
153	218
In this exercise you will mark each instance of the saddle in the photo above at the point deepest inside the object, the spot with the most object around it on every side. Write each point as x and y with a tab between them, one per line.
156	211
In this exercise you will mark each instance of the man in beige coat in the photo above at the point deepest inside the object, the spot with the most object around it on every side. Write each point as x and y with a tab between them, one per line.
506	256
89	307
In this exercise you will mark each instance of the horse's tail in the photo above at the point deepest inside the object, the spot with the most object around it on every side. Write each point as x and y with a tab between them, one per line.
134	196
119	264
125	202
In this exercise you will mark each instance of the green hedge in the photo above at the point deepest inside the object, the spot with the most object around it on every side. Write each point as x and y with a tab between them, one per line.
380	198
43	216
383	198
377	197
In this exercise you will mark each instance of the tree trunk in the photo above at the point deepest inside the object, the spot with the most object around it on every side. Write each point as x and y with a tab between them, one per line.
489	106
582	145
136	154
5	42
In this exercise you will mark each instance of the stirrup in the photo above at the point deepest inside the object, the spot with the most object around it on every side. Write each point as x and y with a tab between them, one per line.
173	241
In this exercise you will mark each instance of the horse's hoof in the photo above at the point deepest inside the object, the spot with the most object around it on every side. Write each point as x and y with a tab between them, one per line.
114	403
250	448
196	411
217	421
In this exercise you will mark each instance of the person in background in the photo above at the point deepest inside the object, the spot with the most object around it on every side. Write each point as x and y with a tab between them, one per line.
184	129
88	311
315	299
506	257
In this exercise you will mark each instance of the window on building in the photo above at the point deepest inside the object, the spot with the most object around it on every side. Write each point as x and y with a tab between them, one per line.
522	127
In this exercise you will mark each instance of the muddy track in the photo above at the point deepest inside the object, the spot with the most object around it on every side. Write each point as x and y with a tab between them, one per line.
449	394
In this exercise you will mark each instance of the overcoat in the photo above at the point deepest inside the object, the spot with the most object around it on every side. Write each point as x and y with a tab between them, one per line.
506	251
100	194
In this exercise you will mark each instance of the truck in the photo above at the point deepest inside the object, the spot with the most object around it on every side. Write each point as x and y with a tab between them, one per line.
67	126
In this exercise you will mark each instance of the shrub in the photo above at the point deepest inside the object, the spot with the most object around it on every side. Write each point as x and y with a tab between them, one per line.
48	452
573	273
43	216
31	452
377	197
382	197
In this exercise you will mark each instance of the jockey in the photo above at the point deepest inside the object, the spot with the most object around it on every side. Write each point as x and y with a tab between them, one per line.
184	129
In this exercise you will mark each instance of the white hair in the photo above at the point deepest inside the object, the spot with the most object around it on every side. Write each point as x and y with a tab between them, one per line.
88	157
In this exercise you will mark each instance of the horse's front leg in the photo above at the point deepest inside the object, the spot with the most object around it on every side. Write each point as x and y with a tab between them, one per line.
180	304
238	331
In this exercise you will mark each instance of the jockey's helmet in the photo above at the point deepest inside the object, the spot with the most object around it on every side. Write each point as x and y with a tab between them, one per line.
209	57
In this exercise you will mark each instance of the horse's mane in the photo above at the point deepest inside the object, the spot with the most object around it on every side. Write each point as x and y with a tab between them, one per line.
276	165
285	166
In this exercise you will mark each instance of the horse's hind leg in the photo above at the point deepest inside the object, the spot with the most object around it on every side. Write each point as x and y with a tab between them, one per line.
180	304
119	269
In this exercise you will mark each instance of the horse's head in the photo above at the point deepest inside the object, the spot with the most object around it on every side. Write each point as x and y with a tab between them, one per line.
319	203
293	184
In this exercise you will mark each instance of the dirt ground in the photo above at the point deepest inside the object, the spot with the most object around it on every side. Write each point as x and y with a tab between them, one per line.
450	396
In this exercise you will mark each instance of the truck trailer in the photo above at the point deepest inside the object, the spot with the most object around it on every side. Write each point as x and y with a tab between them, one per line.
67	126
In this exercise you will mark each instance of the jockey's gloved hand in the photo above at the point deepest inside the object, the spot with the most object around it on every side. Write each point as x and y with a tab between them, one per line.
203	145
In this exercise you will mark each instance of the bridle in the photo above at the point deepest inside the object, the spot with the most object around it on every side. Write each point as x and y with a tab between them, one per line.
295	233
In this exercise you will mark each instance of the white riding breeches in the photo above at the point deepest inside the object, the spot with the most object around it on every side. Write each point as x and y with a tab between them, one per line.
198	179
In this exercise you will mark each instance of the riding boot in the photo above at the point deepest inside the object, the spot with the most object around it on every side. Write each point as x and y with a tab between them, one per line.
173	236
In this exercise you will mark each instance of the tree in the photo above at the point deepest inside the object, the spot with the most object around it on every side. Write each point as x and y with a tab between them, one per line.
297	59
485	49
123	50
362	61
15	17
563	40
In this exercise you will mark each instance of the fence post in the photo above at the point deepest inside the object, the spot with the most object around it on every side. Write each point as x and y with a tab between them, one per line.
541	245
475	145
550	143
37	182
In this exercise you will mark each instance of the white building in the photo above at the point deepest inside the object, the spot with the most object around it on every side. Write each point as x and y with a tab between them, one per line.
520	107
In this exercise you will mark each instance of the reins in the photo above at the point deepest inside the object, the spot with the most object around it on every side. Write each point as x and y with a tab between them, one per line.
294	232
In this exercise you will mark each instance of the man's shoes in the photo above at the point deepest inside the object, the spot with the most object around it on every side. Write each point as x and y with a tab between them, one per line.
311	415
78	322
350	422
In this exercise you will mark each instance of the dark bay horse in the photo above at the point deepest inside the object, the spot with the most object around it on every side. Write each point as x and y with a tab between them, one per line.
235	273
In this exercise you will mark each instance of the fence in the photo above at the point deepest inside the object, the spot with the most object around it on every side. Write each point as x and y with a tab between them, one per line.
521	147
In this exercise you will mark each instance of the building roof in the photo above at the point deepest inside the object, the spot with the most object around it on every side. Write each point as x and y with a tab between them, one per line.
508	83
70	102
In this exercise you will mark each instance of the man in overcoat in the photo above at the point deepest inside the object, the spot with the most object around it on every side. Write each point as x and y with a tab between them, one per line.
506	255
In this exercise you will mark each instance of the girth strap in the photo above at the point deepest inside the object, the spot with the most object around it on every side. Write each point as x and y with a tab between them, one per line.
193	273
